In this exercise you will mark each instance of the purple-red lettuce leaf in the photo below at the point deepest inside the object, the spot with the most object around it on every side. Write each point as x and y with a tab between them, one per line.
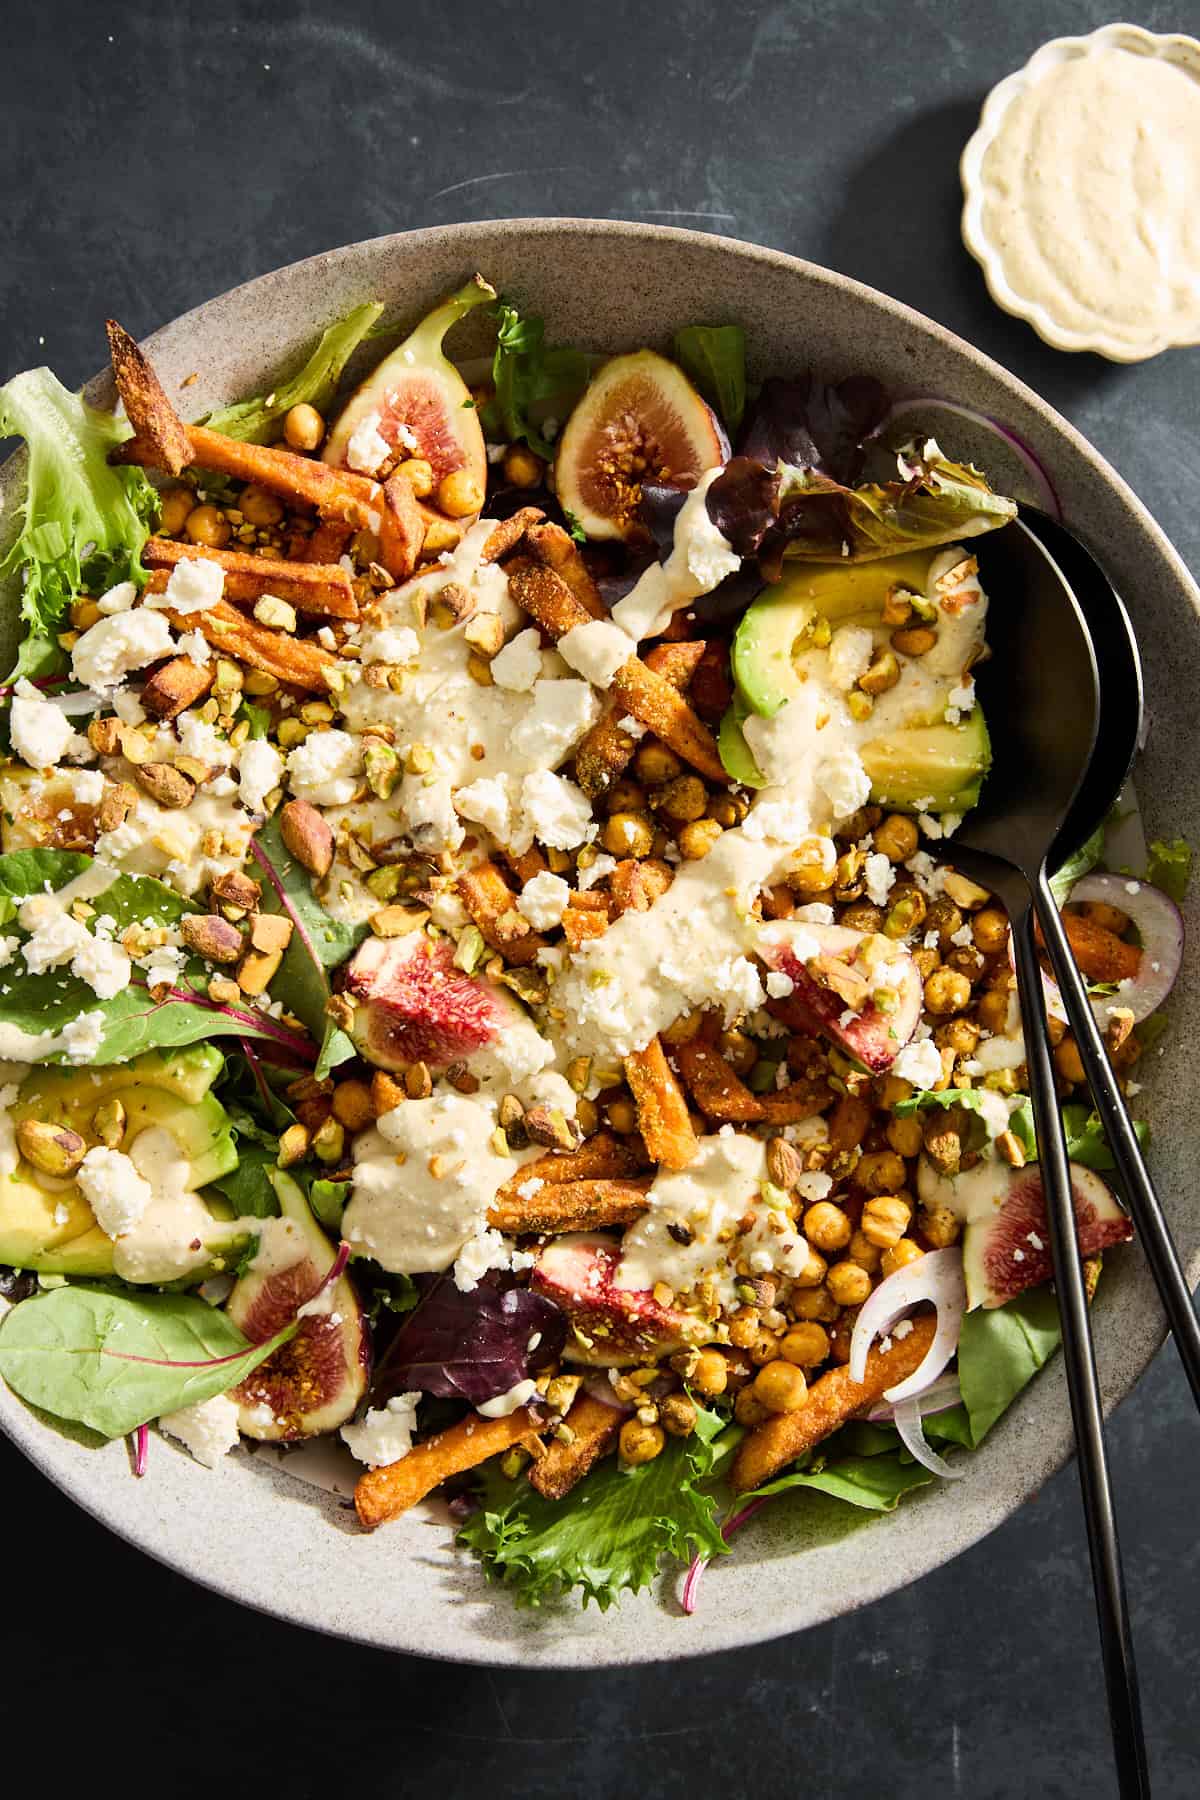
813	424
471	1346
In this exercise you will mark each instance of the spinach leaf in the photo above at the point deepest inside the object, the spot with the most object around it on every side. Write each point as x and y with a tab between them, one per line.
1170	867
1086	1142
318	944
132	1021
328	1202
877	1483
715	358
248	1188
113	1361
1000	1350
316	383
527	375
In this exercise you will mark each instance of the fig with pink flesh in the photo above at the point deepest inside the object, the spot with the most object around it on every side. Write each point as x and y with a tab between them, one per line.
612	1327
419	402
868	1008
314	1382
412	1005
640	419
1006	1241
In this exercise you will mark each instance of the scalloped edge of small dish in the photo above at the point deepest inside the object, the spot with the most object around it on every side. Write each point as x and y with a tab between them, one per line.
1175	47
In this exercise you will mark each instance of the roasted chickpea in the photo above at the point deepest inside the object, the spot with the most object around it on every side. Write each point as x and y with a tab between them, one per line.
863	1252
640	1443
904	1135
811	1275
947	991
177	504
624	796
862	916
848	1283
897	837
848	1122
459	494
989	928
418	472
826	1226
806	1345
521	467
939	1226
815	1303
744	1327
960	1035
622	1116
205	525
900	1255
739	1051
779	1387
628	834
711	1373
748	1409
880	1172
654	764
352	1105
682	799
258	507
303	427
885	1220
991	1010
696	839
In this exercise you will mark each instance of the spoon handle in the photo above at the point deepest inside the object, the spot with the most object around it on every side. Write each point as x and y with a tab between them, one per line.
1154	1234
1116	1641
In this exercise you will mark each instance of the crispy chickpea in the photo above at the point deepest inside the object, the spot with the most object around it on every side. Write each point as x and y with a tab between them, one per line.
880	1172
885	1220
258	507
897	837
640	1443
947	991
744	1327
862	1251
848	1283
711	1373
587	1116
748	1409
418	472
812	867
862	916
303	427
682	799
177	503
812	1274
926	961
624	796
521	467
939	1226
622	1116
1068	1062
205	525
989	928
739	1051
806	1345
900	1255
764	1349
352	1105
826	1226
654	764
815	1303
960	1035
458	494
779	1387
727	810
696	839
848	1122
991	1010
904	1135
628	834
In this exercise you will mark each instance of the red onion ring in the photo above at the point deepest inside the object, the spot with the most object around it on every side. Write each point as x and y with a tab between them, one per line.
907	1420
1159	925
936	1277
940	1396
1032	464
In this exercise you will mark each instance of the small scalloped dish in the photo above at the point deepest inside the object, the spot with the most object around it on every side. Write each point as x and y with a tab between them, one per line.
1082	192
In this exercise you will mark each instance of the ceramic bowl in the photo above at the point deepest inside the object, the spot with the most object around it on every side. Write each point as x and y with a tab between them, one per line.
252	1531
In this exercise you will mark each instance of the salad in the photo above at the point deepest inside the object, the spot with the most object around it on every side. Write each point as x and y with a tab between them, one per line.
483	976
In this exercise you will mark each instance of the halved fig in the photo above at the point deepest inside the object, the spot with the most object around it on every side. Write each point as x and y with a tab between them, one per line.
412	1005
314	1382
1006	1242
417	402
640	419
839	988
612	1327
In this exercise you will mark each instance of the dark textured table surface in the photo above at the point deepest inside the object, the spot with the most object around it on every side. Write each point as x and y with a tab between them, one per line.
156	155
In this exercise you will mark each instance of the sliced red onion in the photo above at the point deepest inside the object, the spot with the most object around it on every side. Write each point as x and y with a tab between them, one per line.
940	1396
907	1420
691	1580
1032	464
1159	925
141	1445
936	1277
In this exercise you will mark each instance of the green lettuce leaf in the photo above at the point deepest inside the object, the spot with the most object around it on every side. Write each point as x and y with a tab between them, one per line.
928	1099
1170	867
1086	1141
82	523
1000	1350
316	383
1081	863
714	356
876	1483
530	379
610	1536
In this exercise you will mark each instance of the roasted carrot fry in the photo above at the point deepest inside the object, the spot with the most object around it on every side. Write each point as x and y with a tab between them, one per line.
310	587
508	533
581	925
383	1494
605	752
600	1158
492	904
571	1206
635	886
831	1400
545	596
661	1108
401	529
151	414
326	544
1100	953
175	686
336	493
558	550
531	862
595	1427
652	699
295	660
799	1100
714	1087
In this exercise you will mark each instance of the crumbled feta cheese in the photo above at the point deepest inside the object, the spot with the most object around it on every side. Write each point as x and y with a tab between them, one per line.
558	812
209	1429
543	900
814	1184
597	869
920	1063
117	599
165	963
203	741
596	650
41	732
880	878
385	1435
196	647
736	986
113	647
324	769
428	806
844	781
959	701
368	449
83	1036
779	985
193	585
487	802
114	1190
486	1250
103	965
55	937
260	771
925	872
519	664
390	644
631	727
560	713
87	786
504	1404
850	652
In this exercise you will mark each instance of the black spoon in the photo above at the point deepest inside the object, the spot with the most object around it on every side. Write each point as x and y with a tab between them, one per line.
1042	681
1121	713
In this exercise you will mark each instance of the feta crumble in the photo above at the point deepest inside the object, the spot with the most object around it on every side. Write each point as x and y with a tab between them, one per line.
114	1190
543	900
209	1429
385	1435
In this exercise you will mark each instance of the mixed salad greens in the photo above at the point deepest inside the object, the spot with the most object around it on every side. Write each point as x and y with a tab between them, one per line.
481	964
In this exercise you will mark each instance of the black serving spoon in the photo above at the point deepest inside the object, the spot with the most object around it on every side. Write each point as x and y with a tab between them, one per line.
1042	682
1121	713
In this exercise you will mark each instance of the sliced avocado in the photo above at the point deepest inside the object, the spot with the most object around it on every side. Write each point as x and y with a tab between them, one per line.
766	639
736	753
170	1091
930	768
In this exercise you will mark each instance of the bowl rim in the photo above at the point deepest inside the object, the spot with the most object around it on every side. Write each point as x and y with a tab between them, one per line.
1166	46
106	1501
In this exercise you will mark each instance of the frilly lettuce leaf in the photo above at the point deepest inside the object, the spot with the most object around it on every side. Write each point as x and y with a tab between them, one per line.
1170	867
610	1534
316	383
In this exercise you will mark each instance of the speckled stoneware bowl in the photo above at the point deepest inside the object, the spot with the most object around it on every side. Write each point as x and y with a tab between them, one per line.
255	1533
